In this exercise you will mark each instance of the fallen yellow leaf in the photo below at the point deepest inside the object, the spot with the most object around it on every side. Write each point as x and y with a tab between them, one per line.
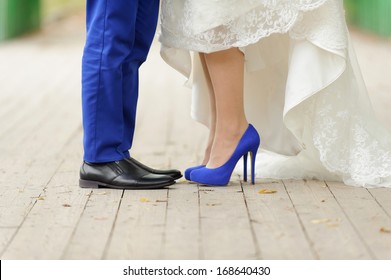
320	221
385	230
182	181
266	191
328	222
101	193
332	225
41	198
143	199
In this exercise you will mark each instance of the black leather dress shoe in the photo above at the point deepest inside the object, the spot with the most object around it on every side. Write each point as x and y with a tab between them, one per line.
121	174
173	173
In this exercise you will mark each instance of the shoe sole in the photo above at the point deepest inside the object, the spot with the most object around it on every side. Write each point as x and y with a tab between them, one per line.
96	185
176	177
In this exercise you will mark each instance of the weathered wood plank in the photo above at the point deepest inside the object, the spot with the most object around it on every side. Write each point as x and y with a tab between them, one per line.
26	172
139	229
383	198
325	222
178	142
37	131
34	136
366	216
27	115
6	234
26	180
182	227
48	226
41	80
95	225
226	232
277	228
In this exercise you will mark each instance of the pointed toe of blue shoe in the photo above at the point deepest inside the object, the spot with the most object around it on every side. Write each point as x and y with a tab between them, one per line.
189	170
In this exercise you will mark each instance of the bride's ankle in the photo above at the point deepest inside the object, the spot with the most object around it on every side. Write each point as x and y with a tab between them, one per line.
232	132
206	156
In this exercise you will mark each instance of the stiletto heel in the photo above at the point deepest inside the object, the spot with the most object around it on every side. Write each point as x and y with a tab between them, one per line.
220	176
245	167
253	155
190	169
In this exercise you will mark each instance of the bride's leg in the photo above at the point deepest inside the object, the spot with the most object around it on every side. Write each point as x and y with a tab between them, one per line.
212	101
226	70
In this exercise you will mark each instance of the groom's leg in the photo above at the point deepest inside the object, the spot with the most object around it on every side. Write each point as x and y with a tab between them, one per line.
112	55
147	15
110	39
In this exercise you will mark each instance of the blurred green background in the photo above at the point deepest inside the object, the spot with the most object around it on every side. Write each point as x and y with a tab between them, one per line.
371	15
20	16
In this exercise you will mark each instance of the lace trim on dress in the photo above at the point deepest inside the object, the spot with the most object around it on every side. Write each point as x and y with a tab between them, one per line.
242	27
349	139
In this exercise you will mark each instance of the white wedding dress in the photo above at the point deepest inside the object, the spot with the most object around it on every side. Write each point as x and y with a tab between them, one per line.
303	88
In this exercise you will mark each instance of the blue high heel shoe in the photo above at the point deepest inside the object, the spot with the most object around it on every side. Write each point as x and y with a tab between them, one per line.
220	176
190	169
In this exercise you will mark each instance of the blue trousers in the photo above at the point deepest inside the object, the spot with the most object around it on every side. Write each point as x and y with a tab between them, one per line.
119	36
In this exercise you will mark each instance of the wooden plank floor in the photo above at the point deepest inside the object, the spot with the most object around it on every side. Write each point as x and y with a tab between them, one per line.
45	215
